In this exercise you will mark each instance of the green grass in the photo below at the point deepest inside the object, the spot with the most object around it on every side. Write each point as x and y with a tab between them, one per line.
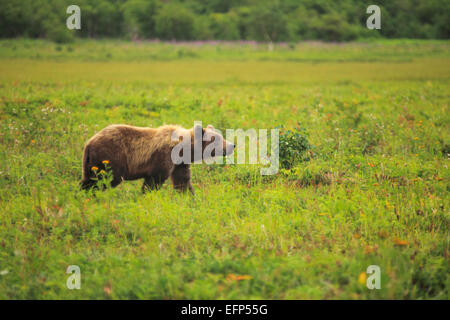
311	51
376	192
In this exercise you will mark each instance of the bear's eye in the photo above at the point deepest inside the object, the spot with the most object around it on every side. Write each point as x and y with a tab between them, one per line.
213	139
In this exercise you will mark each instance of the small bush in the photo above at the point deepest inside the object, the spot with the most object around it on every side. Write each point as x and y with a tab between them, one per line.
294	147
60	35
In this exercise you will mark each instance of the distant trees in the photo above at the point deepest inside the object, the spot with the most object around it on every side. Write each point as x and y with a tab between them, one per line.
267	22
174	22
139	18
224	26
261	20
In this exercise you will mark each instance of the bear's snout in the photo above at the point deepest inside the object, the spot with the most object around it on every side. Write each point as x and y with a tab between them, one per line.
229	148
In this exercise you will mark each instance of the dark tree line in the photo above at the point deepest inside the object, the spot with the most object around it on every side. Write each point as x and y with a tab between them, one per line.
261	20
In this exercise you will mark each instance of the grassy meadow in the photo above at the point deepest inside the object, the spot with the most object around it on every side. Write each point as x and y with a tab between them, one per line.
375	192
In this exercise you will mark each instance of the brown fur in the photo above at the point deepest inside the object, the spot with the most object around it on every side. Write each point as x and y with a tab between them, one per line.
137	152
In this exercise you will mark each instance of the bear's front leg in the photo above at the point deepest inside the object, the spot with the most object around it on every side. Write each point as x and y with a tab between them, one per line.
181	178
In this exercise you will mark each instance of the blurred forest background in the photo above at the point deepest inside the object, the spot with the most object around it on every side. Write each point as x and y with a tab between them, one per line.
258	20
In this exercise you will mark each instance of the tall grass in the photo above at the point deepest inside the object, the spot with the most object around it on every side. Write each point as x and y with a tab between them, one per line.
376	191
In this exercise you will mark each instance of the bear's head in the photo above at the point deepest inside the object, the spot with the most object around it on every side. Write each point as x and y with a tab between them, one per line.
213	143
203	144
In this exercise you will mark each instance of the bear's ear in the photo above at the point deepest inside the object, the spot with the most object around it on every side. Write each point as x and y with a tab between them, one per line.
210	127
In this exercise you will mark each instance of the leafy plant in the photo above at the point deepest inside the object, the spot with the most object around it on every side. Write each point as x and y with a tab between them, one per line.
294	146
102	177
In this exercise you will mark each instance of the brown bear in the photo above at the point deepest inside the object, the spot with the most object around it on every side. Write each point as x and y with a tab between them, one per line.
152	154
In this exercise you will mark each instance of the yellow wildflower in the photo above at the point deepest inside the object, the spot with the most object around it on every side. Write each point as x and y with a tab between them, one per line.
362	278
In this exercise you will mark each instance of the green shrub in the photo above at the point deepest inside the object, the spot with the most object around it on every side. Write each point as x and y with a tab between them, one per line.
294	147
60	35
